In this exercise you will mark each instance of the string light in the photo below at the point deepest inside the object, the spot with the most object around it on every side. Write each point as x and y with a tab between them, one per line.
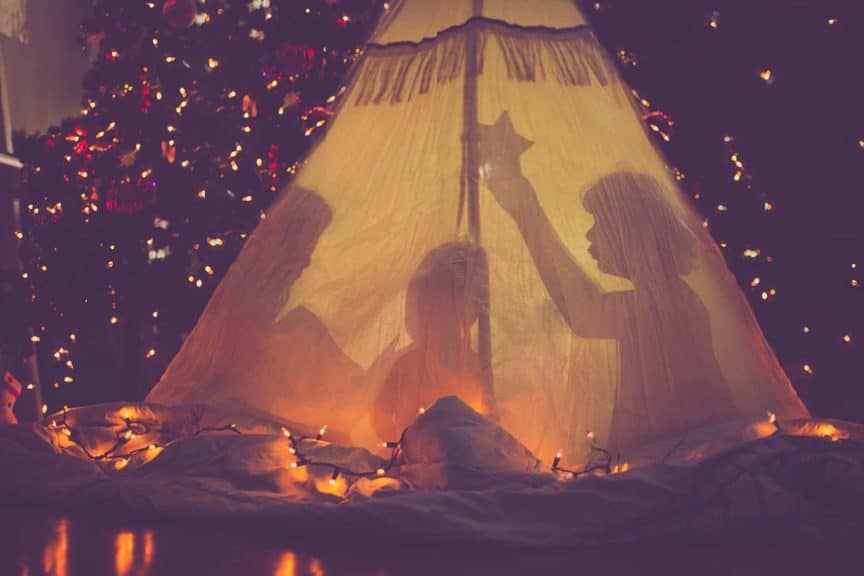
599	459
713	20
772	419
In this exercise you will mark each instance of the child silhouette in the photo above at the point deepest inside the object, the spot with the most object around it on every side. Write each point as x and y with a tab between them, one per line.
443	300
669	380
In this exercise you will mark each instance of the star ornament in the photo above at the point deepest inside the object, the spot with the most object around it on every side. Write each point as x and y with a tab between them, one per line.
501	146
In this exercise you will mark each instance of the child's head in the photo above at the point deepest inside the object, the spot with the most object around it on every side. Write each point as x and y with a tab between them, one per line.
447	292
636	234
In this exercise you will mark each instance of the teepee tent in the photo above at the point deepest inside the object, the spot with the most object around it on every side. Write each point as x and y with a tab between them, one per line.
486	217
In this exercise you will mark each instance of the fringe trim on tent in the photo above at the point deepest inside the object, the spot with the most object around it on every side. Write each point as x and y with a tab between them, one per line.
397	73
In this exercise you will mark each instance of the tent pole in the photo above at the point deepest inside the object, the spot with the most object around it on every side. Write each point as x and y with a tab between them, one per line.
471	152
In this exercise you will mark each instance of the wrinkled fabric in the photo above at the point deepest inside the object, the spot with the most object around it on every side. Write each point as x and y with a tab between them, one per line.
733	476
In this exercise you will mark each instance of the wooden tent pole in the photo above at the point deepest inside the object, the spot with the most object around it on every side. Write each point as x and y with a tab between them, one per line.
471	171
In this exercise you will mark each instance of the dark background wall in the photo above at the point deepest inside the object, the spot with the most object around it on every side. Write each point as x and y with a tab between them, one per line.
44	75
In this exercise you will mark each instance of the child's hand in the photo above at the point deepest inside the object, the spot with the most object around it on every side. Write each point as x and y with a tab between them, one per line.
500	165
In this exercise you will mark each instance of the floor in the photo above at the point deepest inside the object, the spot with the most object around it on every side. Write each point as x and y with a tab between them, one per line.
35	543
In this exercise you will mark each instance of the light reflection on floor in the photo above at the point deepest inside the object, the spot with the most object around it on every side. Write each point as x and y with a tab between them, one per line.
34	544
55	553
38	544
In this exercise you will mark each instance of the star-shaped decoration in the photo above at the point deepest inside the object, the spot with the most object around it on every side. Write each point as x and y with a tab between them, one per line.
500	145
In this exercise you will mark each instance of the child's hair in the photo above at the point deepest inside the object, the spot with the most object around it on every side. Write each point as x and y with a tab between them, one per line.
640	225
451	280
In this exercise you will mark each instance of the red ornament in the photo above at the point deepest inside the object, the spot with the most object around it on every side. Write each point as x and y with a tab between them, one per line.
180	13
295	58
129	198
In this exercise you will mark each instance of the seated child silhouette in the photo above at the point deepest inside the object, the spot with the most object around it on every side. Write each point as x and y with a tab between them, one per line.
443	300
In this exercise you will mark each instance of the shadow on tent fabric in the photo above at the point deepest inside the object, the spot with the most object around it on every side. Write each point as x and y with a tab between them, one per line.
287	358
443	301
288	363
442	304
669	378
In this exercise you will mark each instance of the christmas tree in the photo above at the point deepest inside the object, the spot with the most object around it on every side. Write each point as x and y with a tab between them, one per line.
195	114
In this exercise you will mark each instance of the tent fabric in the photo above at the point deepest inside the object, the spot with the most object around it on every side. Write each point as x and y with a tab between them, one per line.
486	217
412	21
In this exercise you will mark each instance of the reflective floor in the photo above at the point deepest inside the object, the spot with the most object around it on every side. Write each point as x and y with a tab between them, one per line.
34	543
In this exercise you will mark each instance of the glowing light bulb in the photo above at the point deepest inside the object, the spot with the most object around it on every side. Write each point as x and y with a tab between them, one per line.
714	20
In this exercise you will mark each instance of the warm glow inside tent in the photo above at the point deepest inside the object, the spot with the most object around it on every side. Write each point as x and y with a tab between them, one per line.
486	217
